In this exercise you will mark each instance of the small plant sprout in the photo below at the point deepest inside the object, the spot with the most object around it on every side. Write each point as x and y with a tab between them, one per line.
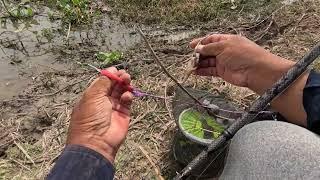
109	58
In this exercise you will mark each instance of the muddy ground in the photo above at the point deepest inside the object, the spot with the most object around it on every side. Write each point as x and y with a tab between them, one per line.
41	77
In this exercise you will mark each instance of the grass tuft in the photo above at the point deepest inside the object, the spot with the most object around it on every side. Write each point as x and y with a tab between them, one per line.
189	11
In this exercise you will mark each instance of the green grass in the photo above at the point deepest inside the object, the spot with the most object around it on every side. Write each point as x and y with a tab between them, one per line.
73	12
189	11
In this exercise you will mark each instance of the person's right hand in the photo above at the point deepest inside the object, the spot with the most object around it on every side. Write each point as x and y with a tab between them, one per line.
100	120
234	58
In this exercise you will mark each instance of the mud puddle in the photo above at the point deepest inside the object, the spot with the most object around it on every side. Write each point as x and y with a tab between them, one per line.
32	47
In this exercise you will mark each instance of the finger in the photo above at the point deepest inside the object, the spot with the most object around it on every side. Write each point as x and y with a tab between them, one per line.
215	38
119	89
195	42
210	71
117	106
126	99
124	76
120	72
210	39
100	85
112	70
212	49
207	62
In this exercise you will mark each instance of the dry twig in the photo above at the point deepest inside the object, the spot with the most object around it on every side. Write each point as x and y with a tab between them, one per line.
265	19
156	169
166	101
20	164
68	33
265	32
24	152
141	116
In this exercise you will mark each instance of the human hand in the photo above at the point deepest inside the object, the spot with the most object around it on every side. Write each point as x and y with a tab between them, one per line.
100	120
243	63
238	60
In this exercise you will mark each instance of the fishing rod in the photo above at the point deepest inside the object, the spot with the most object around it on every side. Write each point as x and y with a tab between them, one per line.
259	105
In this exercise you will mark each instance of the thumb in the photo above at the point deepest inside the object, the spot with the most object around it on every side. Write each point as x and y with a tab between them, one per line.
101	85
212	49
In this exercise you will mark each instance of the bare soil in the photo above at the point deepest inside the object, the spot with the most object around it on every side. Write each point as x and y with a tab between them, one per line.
33	123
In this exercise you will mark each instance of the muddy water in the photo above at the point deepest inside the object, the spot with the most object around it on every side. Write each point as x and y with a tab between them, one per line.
28	48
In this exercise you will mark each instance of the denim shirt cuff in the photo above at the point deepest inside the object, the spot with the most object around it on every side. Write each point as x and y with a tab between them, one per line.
79	162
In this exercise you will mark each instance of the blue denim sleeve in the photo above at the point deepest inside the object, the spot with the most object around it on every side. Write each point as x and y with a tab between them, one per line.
81	163
311	101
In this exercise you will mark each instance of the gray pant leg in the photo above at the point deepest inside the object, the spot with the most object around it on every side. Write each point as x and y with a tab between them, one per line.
273	150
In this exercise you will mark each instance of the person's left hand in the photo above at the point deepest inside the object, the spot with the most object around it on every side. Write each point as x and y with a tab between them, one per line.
100	120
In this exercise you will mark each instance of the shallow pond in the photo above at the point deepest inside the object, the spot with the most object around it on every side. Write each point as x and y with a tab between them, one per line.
30	47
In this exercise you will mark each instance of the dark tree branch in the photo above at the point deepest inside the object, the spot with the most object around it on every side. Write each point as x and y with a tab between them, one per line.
165	70
281	85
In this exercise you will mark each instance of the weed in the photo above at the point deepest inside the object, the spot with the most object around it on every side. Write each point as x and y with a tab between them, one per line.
73	11
108	58
20	11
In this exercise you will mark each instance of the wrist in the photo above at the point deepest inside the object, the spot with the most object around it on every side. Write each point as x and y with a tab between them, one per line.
95	143
269	69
